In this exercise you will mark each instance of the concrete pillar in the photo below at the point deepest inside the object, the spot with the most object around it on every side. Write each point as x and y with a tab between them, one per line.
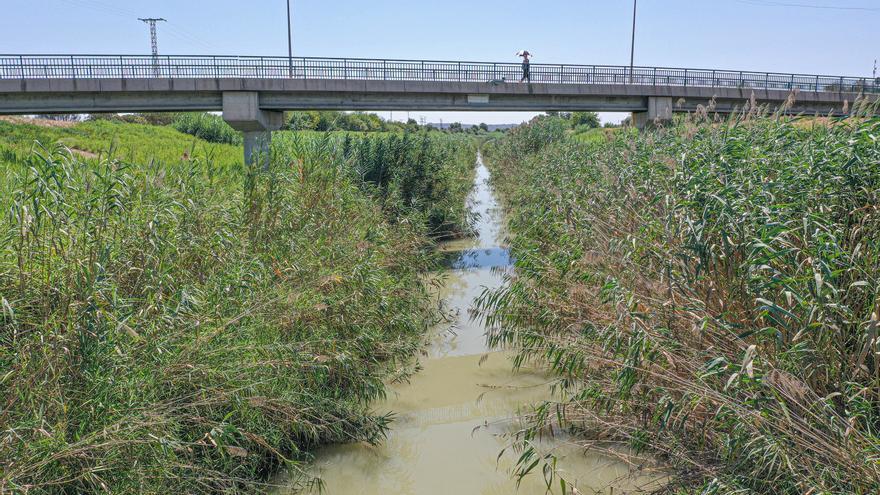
659	112
241	110
257	146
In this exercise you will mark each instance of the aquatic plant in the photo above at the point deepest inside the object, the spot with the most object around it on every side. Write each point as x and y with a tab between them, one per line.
707	292
188	325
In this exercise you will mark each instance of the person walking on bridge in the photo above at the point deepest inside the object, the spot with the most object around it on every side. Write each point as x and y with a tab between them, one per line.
525	65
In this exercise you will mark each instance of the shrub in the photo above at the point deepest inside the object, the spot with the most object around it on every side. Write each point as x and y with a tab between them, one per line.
210	127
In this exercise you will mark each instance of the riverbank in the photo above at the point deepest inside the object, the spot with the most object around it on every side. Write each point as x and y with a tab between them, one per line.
186	325
706	292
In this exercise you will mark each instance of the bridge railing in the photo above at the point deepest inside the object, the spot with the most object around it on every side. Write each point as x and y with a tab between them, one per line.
185	66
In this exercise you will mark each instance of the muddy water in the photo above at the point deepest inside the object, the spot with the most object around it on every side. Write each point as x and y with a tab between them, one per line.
453	415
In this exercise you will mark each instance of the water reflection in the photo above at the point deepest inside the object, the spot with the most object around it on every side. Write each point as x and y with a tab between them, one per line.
466	259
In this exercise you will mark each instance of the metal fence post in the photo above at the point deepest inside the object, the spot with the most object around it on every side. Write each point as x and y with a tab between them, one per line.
384	70
72	68
654	78
21	63
713	78
817	84
685	78
121	68
791	83
459	72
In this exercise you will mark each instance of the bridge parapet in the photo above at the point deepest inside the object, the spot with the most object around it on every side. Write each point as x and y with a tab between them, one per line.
218	67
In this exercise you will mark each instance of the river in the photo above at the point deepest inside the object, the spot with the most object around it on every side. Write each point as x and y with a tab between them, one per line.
454	416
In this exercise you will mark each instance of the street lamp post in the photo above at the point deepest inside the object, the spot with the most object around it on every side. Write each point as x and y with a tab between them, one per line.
632	51
289	41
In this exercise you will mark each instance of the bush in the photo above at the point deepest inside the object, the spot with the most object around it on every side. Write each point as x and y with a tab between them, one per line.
589	120
151	118
330	120
210	127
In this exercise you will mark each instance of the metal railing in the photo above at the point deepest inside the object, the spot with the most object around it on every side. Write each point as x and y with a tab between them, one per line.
199	66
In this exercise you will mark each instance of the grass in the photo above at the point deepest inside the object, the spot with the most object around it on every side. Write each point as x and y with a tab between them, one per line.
707	292
137	143
172	322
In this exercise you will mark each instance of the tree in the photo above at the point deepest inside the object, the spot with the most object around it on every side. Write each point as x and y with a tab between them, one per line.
303	121
588	119
60	117
484	127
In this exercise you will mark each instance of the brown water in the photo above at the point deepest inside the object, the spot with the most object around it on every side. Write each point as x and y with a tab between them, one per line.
454	416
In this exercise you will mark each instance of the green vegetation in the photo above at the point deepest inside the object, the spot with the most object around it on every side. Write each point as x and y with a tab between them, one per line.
330	120
421	173
136	143
207	126
171	322
707	292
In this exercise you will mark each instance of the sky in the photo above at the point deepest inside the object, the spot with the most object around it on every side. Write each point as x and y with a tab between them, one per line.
834	37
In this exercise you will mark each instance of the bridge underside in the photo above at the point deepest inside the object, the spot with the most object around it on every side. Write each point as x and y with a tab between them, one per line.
87	102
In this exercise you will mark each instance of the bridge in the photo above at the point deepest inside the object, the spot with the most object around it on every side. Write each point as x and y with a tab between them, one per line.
252	92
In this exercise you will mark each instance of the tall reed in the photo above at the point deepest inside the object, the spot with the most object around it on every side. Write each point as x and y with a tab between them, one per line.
182	326
707	292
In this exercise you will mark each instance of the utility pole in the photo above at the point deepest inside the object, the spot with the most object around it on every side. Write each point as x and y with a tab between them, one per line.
289	40
875	68
632	52
154	41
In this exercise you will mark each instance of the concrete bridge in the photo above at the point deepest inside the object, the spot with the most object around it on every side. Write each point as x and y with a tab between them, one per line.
252	92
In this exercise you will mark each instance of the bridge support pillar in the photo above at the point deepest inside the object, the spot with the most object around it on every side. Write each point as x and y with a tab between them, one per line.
241	110
659	112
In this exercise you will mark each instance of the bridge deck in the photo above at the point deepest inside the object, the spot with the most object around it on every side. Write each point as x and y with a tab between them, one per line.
96	83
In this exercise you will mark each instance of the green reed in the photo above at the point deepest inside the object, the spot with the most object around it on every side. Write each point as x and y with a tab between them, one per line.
706	292
188	325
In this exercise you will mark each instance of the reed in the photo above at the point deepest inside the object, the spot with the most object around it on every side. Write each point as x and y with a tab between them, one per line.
187	325
706	292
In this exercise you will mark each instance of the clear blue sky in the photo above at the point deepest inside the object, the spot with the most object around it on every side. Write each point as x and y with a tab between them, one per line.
777	35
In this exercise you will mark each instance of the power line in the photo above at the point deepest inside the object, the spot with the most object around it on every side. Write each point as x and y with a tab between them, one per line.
771	3
173	28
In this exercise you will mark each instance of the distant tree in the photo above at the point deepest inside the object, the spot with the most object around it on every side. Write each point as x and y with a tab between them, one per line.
302	121
73	117
411	125
484	127
587	119
455	127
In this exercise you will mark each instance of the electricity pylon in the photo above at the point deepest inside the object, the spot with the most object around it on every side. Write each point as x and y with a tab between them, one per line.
154	41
